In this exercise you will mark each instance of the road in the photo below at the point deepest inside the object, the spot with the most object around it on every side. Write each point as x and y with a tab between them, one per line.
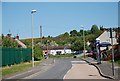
56	70
61	68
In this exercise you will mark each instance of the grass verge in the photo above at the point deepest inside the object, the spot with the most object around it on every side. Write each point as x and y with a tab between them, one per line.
62	56
118	62
18	68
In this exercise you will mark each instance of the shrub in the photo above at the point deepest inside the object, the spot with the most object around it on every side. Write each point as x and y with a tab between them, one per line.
38	54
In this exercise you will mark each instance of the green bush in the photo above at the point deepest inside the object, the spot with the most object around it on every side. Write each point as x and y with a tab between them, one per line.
38	54
61	56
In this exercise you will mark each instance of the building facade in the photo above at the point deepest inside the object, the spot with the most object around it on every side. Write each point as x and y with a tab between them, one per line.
57	50
105	37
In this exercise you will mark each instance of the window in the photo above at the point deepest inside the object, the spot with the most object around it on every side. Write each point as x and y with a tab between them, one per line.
58	52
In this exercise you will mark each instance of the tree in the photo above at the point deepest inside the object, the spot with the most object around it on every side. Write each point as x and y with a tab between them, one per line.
87	32
66	34
73	33
101	28
38	54
94	29
118	40
9	43
77	45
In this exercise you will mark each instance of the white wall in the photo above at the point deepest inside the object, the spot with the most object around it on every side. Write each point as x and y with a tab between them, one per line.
54	52
68	51
105	37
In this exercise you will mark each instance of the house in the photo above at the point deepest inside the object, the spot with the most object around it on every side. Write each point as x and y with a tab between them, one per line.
22	45
16	38
54	50
105	37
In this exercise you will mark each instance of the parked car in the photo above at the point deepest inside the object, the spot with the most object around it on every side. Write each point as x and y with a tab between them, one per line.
45	56
90	54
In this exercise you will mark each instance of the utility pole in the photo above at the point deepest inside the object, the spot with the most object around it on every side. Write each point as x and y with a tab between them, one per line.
41	34
111	36
9	31
83	39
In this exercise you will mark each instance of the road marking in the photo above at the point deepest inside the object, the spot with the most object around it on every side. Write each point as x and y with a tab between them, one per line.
18	74
78	62
67	72
39	72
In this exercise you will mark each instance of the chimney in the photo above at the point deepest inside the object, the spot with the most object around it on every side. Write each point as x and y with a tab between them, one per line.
17	37
9	35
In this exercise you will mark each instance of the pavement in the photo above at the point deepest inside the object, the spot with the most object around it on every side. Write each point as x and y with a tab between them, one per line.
105	68
48	69
82	70
70	69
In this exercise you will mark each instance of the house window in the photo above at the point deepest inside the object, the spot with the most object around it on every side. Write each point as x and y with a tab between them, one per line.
58	52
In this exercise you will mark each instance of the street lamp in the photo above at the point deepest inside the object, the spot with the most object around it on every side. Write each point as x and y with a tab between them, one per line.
33	11
83	39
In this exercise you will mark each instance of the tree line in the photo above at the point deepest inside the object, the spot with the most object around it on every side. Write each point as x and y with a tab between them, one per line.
73	39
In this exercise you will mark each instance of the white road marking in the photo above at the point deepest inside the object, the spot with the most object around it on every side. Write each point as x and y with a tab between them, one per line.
18	74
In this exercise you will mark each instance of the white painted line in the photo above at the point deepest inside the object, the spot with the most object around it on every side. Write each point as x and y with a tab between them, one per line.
71	68
67	72
18	74
78	61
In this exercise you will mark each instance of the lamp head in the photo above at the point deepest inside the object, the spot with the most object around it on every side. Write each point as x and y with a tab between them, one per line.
82	27
33	11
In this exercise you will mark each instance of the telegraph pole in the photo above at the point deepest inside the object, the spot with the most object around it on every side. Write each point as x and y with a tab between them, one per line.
41	34
111	36
83	39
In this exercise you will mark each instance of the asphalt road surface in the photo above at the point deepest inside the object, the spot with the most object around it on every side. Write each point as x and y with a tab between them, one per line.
55	70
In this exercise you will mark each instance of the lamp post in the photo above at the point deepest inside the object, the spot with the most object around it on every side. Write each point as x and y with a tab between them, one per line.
33	11
83	39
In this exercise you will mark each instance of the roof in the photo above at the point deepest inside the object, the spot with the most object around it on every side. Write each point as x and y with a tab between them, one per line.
15	39
104	44
105	37
21	44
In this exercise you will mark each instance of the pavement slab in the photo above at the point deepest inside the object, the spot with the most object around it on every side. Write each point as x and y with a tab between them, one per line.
82	70
106	68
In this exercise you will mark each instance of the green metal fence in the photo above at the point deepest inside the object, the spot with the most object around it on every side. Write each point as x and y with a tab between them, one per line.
12	56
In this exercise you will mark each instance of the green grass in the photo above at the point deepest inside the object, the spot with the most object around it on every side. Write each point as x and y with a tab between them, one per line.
83	57
118	62
6	71
62	56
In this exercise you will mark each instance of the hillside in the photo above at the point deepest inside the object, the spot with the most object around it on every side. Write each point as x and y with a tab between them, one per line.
74	39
